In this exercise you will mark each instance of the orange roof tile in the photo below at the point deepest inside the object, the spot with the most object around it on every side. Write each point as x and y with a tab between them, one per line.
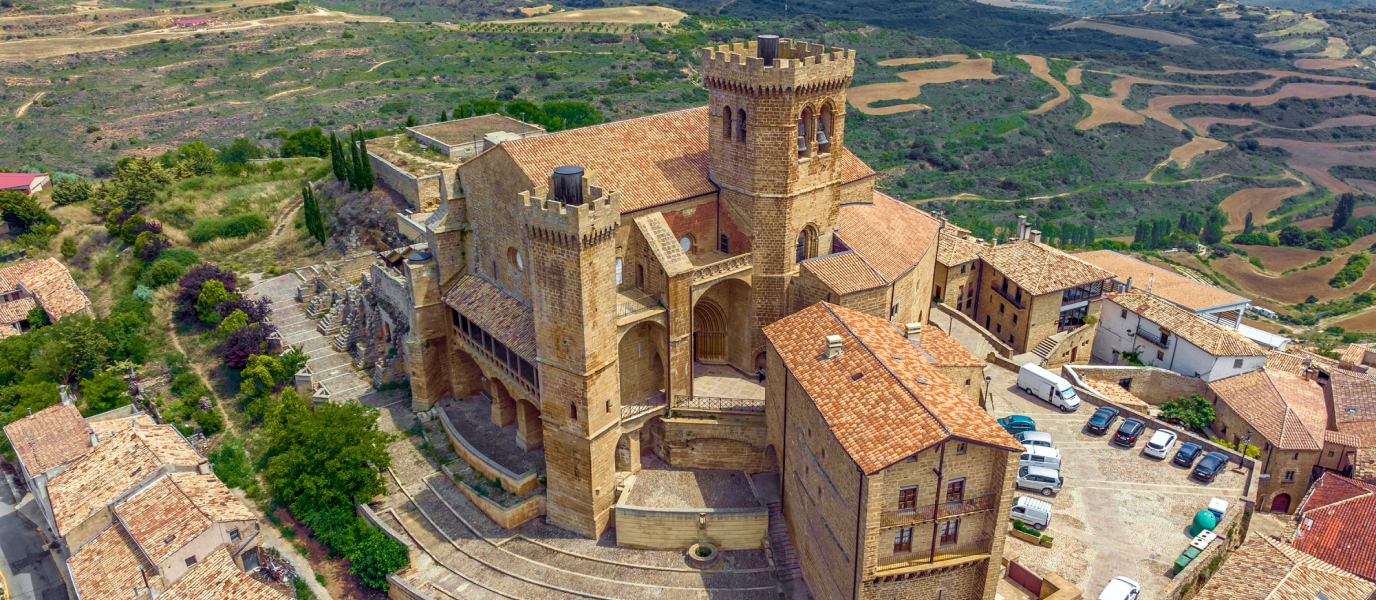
1338	524
49	438
1289	411
952	251
161	519
844	272
500	314
1289	363
889	235
1354	353
944	350
1169	285
218	578
210	496
112	468
883	399
1116	393
15	311
1207	335
51	283
1267	569
109	427
108	567
1040	269
852	168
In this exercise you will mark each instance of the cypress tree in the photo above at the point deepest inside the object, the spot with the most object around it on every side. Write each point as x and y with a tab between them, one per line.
336	161
443	117
358	165
367	164
1247	225
315	222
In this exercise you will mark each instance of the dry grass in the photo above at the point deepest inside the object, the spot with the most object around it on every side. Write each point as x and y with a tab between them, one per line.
1362	322
898	62
1163	37
1072	76
1279	259
911	86
1258	201
1309	25
620	14
1111	109
1296	44
1043	72
1182	155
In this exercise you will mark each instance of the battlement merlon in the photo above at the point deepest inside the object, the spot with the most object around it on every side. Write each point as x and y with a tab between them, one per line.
601	209
799	63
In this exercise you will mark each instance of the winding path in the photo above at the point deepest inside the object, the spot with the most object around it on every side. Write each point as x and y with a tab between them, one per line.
25	108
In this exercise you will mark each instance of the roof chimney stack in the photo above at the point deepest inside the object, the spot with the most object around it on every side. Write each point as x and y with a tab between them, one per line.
568	185
134	423
833	346
94	439
768	48
1128	287
1022	227
1035	235
914	332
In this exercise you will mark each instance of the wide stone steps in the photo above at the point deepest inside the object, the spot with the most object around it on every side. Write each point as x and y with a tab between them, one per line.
785	558
1044	348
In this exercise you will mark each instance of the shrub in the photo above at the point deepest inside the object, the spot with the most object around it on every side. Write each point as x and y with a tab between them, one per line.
161	272
232	463
1193	412
69	247
1256	262
70	191
209	421
237	226
1352	271
1255	239
189	288
104	392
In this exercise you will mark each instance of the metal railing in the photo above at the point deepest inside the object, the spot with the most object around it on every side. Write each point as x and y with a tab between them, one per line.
513	376
715	403
722	267
1007	296
931	512
644	405
1153	338
643	302
960	549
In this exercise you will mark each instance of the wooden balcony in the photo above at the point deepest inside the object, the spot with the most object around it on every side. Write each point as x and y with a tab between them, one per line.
931	512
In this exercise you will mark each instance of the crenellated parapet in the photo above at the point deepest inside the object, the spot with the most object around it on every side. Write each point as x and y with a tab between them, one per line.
798	67
593	221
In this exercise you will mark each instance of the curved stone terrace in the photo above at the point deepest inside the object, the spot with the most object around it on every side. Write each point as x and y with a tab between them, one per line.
472	419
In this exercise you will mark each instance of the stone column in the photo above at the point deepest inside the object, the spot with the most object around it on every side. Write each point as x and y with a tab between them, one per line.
633	443
503	405
530	432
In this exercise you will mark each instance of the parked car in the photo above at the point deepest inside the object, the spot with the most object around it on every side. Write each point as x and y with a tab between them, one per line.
1040	479
1121	588
1038	456
1031	439
1210	466
1035	512
1017	424
1049	387
1102	419
1160	443
1128	432
1187	454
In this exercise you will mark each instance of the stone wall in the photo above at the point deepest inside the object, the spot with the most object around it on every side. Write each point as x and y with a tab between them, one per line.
517	484
399	589
1278	463
731	440
994	345
1075	349
366	512
507	517
422	193
1154	386
679	528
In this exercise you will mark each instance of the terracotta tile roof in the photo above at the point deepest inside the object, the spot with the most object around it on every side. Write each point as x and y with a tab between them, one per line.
844	272
1040	269
1116	393
852	168
649	160
889	235
161	519
883	399
1164	283
105	429
1365	431
108	567
499	314
1288	411
1338	524
1354	395
49	438
1208	336
1346	439
1354	353
944	350
15	311
661	240
952	251
51	283
218	578
1289	363
210	496
1266	569
113	467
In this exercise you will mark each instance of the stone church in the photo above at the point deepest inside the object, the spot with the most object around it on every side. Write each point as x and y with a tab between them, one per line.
590	283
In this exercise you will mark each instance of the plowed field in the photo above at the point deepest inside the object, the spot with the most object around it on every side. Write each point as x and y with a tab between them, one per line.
1293	288
1258	201
1314	159
911	86
1184	154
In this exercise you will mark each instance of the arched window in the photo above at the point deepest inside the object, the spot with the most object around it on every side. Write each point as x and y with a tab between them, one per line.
824	130
686	243
807	244
514	257
726	128
619	280
740	125
804	122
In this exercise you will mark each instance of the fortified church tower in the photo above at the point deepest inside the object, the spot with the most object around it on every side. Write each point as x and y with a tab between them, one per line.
777	127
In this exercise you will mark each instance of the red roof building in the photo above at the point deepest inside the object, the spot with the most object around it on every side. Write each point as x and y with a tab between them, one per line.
1338	524
28	183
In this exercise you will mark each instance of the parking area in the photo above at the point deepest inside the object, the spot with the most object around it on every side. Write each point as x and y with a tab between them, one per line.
1119	512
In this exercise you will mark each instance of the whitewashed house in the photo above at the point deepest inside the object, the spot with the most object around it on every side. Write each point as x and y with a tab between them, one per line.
1166	336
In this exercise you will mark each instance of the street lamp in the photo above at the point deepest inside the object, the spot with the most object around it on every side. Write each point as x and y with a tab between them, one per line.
987	397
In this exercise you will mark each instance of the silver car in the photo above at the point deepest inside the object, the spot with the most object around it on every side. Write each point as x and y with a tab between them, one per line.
1034	438
1160	443
1040	479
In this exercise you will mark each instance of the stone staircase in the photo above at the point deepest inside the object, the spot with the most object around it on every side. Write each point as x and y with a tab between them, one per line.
1048	345
785	559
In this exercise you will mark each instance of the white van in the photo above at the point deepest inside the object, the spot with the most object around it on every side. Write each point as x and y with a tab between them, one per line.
1036	513
1038	456
1049	387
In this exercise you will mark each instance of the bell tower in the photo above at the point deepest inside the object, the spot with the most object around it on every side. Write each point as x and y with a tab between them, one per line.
777	138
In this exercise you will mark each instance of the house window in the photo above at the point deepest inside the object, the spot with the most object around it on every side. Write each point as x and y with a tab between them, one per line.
950	532
955	490
609	406
686	243
573	411
1330	454
807	244
234	533
1001	307
740	125
1296	456
960	447
903	540
907	498
998	328
1289	476
804	121
724	244
986	322
1125	314
190	561
893	311
1015	319
1237	363
1011	338
1160	355
640	276
1225	431
938	291
962	269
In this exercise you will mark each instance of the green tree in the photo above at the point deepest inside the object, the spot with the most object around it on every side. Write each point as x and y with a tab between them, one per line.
315	223
367	165
443	117
22	212
68	247
1292	235
411	121
136	184
212	294
1193	412
1247	224
74	346
233	322
355	163
1342	213
104	392
325	455
306	142
198	157
37	318
261	375
240	151
337	164
71	191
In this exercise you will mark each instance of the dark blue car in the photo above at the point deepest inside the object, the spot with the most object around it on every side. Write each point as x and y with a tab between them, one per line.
1187	454
1102	419
1210	466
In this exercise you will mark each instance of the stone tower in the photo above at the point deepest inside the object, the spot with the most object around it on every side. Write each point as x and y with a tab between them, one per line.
571	225
777	129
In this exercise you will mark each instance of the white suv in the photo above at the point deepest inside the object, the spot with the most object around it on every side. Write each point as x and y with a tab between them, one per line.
1160	443
1121	588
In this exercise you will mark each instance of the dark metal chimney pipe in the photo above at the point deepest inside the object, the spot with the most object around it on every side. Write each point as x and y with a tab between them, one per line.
768	48
568	185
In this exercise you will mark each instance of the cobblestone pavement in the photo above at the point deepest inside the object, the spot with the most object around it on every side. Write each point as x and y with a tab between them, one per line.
1119	512
473	420
721	381
333	368
659	485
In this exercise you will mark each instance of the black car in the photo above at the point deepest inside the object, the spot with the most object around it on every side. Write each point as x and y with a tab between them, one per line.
1210	466
1187	454
1128	432
1102	419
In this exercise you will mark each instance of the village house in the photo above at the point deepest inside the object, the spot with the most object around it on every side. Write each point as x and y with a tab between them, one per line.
39	283
900	484
1164	335
1337	524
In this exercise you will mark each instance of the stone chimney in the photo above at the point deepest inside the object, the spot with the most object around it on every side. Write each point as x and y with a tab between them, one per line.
1128	287
1022	228
833	346
134	423
203	468
1311	373
914	332
1035	235
94	439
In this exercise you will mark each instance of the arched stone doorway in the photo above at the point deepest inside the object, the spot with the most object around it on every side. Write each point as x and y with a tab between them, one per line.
723	323
641	360
628	454
709	332
465	376
1281	503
